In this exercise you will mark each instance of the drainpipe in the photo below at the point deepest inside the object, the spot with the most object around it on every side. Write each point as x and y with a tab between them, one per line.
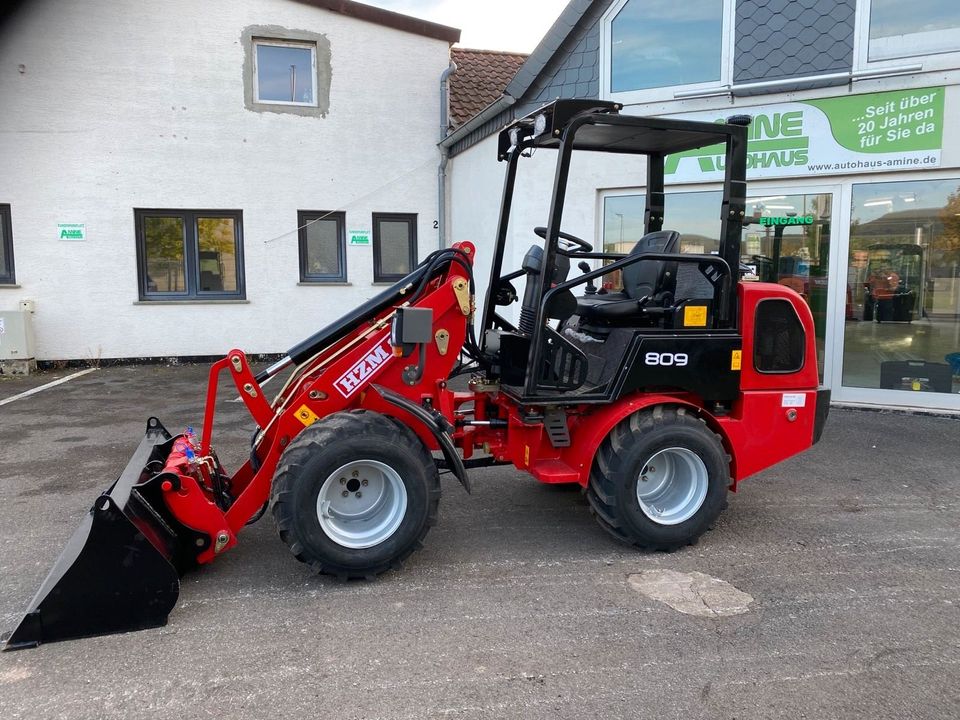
444	153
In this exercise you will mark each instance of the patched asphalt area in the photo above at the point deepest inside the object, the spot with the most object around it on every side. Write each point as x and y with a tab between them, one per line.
519	605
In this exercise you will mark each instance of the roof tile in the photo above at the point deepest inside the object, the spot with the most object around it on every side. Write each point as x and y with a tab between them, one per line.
480	79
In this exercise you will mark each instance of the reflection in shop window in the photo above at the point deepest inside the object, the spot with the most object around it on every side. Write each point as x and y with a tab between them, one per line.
164	254
907	29
622	222
786	240
665	44
903	321
695	215
216	245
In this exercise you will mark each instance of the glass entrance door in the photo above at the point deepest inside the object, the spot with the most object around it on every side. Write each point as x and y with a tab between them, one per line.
786	240
901	336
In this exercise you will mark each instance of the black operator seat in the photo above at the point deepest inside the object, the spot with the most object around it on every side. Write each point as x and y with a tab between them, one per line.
646	284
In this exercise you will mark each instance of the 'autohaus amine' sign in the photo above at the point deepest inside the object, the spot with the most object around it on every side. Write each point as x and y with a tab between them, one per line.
897	130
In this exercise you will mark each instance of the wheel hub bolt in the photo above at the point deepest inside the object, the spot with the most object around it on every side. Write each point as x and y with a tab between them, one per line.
343	481
643	478
359	494
355	473
344	493
364	482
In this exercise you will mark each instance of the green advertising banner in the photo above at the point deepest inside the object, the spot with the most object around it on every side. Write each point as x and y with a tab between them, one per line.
875	132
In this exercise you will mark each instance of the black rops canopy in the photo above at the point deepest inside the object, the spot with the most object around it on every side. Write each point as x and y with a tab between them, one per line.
605	130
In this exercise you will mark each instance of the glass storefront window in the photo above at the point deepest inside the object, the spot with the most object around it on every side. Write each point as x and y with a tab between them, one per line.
695	215
622	227
622	222
786	240
902	329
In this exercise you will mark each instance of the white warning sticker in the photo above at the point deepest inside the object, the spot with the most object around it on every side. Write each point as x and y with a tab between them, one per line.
793	400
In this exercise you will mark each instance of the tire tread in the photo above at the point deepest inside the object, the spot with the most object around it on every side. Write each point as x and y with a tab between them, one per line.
323	432
608	472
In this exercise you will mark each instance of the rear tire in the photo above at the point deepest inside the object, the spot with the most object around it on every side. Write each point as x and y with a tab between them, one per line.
354	494
659	479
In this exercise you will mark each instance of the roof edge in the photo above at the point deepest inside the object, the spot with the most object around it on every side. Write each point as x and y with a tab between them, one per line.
490	111
490	52
548	46
388	18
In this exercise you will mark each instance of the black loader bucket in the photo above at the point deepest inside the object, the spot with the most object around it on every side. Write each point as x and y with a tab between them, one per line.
120	570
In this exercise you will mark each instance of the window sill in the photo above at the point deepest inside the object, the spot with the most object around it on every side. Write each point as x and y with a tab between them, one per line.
193	301
870	73
283	105
5	286
324	283
387	283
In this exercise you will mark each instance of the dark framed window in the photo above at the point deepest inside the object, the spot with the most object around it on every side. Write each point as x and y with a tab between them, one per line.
323	242
394	245
190	254
6	247
779	342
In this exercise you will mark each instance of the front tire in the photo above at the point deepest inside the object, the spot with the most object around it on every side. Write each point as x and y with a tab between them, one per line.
354	494
659	479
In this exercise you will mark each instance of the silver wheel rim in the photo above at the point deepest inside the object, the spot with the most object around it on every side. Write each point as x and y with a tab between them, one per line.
672	486
361	504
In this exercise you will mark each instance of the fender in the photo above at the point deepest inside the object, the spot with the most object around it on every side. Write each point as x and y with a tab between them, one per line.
598	424
424	418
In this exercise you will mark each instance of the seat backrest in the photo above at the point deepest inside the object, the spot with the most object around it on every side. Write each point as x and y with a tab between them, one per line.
647	278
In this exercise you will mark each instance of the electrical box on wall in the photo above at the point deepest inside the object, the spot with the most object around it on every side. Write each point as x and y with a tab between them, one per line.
17	355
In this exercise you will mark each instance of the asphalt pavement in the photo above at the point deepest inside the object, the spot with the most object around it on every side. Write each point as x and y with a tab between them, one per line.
830	588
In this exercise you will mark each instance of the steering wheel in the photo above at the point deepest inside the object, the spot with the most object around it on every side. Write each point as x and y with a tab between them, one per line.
583	245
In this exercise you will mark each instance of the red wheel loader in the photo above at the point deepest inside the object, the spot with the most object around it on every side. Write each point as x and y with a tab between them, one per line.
657	398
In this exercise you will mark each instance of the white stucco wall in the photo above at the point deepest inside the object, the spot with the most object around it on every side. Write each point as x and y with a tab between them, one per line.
124	105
